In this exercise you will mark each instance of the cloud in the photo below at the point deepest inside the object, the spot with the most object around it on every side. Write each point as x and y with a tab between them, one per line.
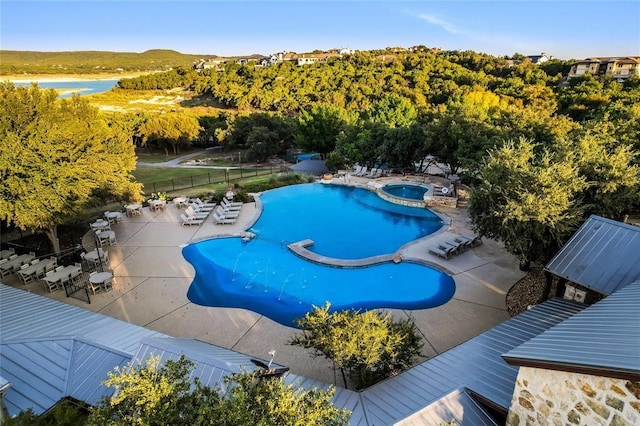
434	20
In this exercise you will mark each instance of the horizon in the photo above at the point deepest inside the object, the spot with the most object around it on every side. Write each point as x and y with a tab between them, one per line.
564	30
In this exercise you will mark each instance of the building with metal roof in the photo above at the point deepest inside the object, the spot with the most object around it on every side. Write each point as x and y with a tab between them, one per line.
601	256
475	364
584	370
458	406
65	343
49	350
602	340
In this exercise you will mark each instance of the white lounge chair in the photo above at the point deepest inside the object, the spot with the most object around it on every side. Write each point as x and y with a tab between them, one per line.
223	220
201	206
201	203
191	212
231	204
227	213
357	169
362	171
190	220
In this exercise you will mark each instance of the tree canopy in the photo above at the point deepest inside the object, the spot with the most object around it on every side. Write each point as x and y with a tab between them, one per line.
55	156
154	394
369	346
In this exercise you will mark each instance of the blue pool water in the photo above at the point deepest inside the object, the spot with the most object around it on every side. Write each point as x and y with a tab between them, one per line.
412	192
263	275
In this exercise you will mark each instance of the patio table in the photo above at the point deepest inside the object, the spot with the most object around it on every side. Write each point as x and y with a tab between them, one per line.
180	202
133	209
113	215
157	204
4	254
14	264
93	255
100	278
38	267
63	273
103	225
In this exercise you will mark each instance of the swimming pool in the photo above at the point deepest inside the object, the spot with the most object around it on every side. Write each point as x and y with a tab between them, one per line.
263	275
407	190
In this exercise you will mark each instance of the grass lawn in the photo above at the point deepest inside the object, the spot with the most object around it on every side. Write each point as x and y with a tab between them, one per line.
150	174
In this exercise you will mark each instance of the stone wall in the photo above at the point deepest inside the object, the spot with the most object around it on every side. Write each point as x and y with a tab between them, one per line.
436	201
546	397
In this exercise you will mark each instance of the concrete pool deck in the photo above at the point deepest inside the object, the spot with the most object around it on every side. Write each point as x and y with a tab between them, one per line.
152	279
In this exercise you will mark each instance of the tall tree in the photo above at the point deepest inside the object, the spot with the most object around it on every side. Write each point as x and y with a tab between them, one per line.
154	394
171	129
528	199
320	128
55	155
369	346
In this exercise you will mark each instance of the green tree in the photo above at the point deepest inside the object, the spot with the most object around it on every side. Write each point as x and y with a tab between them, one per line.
321	127
369	346
171	129
154	394
55	156
528	198
612	175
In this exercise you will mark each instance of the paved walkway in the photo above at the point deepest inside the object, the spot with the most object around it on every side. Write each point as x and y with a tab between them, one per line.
152	279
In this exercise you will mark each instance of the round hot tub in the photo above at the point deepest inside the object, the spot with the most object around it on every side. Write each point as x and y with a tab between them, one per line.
406	193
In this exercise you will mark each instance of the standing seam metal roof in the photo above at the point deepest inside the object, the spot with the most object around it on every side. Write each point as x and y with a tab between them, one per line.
475	364
588	258
605	338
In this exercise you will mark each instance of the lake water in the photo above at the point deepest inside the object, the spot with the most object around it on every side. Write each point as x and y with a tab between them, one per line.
84	87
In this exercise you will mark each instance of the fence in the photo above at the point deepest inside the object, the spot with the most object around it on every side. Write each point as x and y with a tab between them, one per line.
215	176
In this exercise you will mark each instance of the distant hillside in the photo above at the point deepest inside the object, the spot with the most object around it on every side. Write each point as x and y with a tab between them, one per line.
92	62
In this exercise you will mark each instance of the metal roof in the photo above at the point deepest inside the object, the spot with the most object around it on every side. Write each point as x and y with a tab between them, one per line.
28	319
475	364
602	255
41	371
456	406
603	340
26	315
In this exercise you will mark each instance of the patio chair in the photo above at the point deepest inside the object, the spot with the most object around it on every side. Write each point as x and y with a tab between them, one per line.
191	212
231	205
190	220
91	286
227	213
76	276
441	251
362	172
107	285
50	286
357	169
372	173
26	278
221	220
201	203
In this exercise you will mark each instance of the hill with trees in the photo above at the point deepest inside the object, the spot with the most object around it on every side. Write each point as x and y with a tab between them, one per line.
92	62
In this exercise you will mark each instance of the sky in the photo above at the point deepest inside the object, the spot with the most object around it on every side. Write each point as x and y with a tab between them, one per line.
563	29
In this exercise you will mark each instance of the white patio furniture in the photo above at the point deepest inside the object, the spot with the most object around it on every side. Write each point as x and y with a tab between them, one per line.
99	279
133	209
180	202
